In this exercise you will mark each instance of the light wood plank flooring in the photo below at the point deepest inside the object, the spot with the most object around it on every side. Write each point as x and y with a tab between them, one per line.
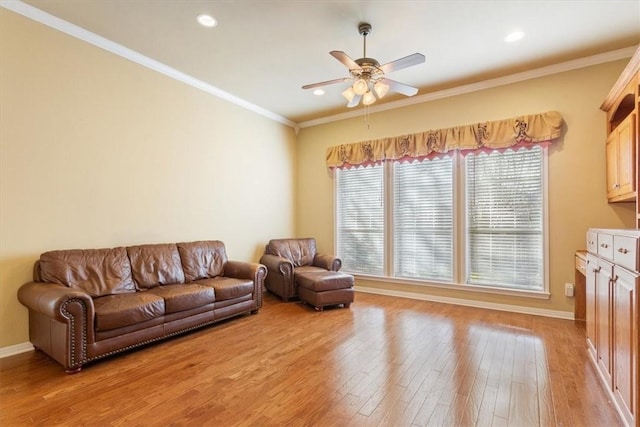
384	362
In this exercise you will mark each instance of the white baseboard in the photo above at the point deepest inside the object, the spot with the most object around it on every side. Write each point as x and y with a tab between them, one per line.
15	349
470	303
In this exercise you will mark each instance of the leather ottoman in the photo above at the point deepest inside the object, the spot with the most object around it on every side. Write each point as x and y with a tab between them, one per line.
323	288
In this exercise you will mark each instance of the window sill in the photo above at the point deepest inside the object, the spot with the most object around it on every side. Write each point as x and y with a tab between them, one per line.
457	287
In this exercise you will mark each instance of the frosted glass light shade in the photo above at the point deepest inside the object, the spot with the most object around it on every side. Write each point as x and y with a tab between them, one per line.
381	89
360	87
368	98
349	94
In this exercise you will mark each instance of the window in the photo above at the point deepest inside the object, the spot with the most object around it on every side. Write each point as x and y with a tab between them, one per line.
423	219
400	221
360	219
505	218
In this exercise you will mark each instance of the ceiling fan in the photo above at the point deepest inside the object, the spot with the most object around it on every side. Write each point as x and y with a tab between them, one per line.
368	76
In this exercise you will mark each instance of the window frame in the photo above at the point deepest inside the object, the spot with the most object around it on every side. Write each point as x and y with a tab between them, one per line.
459	237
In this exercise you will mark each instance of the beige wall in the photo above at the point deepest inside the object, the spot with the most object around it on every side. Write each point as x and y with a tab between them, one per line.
97	151
577	198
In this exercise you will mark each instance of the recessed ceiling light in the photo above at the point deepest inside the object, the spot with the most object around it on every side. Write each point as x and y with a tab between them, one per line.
514	37
206	20
318	92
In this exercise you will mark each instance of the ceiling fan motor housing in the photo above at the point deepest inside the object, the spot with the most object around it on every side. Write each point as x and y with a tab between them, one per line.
370	68
364	29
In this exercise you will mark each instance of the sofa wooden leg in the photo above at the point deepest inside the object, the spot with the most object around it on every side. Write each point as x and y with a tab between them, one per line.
319	308
347	305
254	311
74	370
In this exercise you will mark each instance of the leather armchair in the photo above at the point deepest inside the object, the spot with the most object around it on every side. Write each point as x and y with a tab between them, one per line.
284	258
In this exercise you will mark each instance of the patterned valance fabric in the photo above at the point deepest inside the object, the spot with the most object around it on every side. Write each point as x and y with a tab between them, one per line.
487	136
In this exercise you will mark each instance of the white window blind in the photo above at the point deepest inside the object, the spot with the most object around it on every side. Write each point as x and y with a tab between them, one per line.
423	219
505	219
360	219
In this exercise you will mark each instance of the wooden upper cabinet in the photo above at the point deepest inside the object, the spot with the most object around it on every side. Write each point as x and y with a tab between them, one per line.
622	105
621	161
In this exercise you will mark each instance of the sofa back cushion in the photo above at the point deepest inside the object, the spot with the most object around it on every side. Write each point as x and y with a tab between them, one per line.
98	272
154	265
299	251
202	260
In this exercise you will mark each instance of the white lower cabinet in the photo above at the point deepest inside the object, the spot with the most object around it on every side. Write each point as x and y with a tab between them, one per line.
612	315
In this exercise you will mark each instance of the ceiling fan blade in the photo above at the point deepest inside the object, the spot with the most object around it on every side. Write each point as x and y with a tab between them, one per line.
345	59
399	64
400	87
354	101
328	82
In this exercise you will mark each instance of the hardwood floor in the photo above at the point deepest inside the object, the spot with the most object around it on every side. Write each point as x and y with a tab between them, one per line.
384	362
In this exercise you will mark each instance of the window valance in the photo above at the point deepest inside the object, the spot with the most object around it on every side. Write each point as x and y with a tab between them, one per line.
518	131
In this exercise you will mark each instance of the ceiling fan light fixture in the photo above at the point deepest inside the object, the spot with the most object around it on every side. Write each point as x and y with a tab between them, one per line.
368	98
360	87
381	89
368	77
349	94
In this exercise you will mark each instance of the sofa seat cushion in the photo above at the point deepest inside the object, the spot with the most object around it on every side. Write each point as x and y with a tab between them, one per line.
117	311
308	269
184	296
228	287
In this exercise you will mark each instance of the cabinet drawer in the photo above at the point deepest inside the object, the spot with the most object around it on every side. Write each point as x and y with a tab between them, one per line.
605	246
592	242
625	252
581	265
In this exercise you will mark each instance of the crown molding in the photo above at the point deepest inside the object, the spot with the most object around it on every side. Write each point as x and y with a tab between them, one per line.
66	27
473	87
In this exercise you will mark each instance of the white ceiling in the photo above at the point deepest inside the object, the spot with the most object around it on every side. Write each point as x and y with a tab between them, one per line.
263	51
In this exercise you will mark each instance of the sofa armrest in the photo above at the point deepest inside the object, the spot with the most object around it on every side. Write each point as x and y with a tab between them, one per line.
51	299
60	321
250	271
245	270
328	262
276	264
280	278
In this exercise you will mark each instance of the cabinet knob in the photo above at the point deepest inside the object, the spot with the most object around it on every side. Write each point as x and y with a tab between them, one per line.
604	245
622	250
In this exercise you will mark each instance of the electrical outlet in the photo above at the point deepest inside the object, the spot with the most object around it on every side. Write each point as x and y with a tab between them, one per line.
568	289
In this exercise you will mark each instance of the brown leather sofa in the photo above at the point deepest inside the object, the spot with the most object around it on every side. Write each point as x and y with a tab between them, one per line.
285	258
91	303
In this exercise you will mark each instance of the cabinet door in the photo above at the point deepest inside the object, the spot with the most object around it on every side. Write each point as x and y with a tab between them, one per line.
612	165
621	161
603	318
626	155
625	354
591	274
